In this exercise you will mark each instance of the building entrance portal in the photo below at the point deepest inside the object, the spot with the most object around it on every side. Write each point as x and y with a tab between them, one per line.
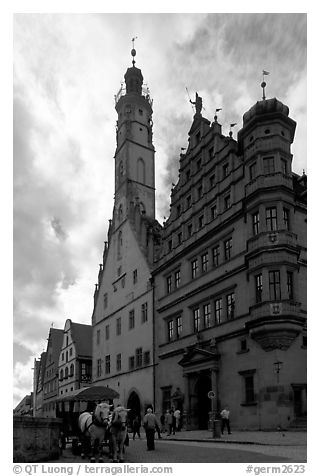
135	407
203	403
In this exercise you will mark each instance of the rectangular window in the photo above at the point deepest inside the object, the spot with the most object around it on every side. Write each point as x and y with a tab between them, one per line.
215	255
179	238
268	165
131	319
179	326
286	218
290	284
225	170
139	357
178	210
144	312
212	180
189	230
249	388
118	326
98	367
107	332
98	337
135	276
146	357
196	320
105	300
271	219
201	221
227	202
211	152
204	262
207	315
170	330
169	284
256	223
214	212
274	285
118	362
227	249
131	362
198	164
218	310
177	278
284	167
230	306
258	283
188	175
194	268
200	192
107	364
253	171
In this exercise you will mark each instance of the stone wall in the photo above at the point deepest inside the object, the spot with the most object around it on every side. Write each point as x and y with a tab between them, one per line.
35	439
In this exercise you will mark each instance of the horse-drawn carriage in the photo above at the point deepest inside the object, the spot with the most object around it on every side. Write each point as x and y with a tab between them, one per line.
91	422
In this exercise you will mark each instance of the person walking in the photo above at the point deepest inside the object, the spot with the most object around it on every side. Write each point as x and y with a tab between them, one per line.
173	421
168	422
225	420
136	427
150	423
177	416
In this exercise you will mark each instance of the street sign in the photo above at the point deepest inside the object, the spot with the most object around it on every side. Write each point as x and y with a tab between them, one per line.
211	394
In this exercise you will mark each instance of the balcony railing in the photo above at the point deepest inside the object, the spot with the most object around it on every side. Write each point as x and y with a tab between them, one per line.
122	92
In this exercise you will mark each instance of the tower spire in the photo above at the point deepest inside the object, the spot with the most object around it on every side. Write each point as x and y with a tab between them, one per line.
133	51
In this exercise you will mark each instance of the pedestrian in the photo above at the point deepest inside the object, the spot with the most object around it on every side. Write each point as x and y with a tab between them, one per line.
225	419
177	416
173	421
150	423
136	427
162	423
168	422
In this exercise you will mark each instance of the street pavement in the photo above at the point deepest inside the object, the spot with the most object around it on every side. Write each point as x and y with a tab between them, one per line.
200	447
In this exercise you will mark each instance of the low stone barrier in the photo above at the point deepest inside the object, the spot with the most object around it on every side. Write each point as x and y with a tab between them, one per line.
35	439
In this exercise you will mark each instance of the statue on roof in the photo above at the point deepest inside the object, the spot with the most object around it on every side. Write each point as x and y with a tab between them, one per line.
198	104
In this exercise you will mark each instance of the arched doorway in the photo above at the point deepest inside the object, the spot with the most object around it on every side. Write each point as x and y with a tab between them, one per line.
135	407
202	387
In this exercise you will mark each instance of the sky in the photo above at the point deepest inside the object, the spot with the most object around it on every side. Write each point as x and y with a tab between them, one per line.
67	69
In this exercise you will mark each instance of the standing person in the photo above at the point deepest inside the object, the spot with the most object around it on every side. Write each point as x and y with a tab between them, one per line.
173	421
168	422
162	422
177	416
150	423
136	427
225	417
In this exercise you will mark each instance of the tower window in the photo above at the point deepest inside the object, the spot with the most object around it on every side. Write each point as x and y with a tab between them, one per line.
253	171
290	284
284	167
258	285
274	285
268	165
286	218
271	219
255	223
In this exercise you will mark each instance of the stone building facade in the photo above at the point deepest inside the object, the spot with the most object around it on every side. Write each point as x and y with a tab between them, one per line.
50	375
230	284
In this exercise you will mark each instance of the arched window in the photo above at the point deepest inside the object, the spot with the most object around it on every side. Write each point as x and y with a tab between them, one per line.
120	212
119	244
61	374
141	171
66	372
71	370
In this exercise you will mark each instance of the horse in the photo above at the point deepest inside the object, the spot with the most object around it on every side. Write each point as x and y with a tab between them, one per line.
93	427
118	433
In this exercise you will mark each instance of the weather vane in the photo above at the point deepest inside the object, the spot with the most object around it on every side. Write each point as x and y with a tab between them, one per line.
215	116
231	126
133	51
263	84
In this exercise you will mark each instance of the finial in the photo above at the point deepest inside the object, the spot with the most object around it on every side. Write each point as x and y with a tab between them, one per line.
263	84
231	126
215	116
133	51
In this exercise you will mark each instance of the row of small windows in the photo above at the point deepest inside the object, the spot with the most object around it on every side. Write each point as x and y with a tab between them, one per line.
201	264
123	283
66	373
67	355
274	286
138	360
210	314
131	323
271	220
